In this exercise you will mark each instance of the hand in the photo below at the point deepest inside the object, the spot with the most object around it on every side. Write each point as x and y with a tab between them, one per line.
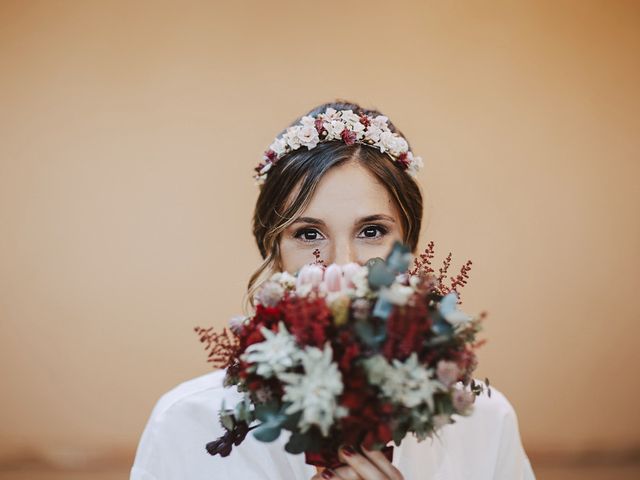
373	465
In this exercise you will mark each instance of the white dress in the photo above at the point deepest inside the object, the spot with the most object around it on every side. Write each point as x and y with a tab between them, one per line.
486	445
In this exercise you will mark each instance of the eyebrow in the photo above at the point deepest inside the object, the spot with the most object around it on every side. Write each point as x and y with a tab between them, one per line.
369	218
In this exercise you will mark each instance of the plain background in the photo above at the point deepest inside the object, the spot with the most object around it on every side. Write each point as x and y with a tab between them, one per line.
128	135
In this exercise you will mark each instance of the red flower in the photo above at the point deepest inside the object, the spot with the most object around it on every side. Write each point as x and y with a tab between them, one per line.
307	319
348	136
407	328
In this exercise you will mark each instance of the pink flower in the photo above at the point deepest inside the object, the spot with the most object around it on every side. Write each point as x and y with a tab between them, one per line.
448	372
348	271
333	278
310	275
462	401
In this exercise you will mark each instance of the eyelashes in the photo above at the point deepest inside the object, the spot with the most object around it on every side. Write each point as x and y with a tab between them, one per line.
369	232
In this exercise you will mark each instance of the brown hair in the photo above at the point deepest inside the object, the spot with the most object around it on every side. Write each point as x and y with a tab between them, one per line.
292	181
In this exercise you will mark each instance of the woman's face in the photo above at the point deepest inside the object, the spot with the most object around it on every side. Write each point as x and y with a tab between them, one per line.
351	218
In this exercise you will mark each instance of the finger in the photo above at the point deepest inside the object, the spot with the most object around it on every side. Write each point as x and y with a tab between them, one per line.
381	461
346	473
360	464
341	473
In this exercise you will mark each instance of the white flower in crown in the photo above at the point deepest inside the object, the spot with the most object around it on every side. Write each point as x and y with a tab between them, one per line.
308	136
353	124
279	146
334	129
415	164
331	114
345	125
392	142
291	137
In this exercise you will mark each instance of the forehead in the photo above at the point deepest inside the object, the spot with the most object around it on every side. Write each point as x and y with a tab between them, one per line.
347	192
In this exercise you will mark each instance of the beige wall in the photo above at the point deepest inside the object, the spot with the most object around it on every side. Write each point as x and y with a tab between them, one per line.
128	132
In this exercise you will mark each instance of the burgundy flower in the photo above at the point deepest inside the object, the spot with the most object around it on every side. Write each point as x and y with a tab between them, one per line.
365	120
403	160
348	136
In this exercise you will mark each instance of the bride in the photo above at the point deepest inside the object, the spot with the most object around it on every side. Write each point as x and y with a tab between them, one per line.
349	192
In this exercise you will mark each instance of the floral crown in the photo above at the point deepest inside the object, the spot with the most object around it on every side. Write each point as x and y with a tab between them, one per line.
342	125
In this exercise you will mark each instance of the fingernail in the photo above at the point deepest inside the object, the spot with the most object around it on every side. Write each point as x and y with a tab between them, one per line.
348	451
327	474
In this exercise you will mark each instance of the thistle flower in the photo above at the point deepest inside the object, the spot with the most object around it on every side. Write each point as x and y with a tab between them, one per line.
277	353
406	383
315	392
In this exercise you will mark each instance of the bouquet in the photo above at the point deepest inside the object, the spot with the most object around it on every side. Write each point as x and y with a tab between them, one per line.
349	355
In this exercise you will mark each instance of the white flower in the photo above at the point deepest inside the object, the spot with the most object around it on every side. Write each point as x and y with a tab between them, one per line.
291	137
237	323
307	121
350	118
279	146
334	128
373	132
285	279
308	136
392	142
397	293
406	383
360	280
273	356
269	294
381	122
415	164
331	114
315	391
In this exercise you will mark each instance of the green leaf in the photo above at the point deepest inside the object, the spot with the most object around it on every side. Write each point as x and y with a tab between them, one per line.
264	411
227	420
298	443
266	432
380	275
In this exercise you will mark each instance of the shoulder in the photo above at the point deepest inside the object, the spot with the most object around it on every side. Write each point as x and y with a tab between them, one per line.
494	404
182	421
207	385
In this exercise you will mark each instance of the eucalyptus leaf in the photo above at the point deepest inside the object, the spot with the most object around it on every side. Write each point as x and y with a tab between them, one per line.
267	432
264	411
399	258
370	335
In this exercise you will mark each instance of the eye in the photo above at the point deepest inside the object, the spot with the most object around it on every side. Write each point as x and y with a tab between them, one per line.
373	231
308	235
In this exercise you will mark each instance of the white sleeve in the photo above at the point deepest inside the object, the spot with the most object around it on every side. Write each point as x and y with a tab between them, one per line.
512	462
